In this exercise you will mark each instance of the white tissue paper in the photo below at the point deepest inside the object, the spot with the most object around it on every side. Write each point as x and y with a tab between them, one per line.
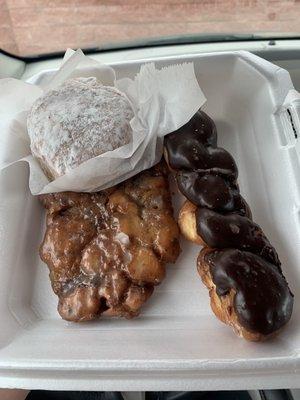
163	100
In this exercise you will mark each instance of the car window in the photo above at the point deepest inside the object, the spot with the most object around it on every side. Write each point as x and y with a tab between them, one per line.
31	27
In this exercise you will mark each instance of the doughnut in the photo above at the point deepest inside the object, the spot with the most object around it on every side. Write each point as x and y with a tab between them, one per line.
106	251
237	264
79	120
247	292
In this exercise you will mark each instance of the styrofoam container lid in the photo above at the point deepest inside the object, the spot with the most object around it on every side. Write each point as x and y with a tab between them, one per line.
177	343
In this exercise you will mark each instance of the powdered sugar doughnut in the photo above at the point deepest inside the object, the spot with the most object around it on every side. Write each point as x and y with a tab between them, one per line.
79	120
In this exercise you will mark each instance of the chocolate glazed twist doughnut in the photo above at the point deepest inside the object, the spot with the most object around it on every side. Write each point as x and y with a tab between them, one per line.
238	264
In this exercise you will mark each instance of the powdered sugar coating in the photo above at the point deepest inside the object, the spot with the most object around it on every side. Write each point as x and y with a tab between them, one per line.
79	120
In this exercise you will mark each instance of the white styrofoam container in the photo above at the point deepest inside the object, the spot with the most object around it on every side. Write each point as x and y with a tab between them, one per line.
177	343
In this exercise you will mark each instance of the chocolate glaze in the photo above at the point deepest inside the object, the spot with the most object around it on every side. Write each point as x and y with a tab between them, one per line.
211	191
190	154
263	302
201	127
206	175
233	230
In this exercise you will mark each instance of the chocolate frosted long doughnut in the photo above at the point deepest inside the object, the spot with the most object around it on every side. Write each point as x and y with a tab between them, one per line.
238	264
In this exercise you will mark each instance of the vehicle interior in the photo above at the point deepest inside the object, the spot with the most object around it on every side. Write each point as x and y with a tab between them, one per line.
34	36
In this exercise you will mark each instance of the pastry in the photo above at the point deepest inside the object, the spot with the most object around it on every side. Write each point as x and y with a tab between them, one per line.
238	264
247	292
106	251
79	120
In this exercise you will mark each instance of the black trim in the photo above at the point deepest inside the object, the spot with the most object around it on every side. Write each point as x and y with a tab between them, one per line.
211	395
160	42
6	53
274	54
278	394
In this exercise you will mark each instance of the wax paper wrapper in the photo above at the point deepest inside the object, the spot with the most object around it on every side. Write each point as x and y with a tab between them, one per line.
162	99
